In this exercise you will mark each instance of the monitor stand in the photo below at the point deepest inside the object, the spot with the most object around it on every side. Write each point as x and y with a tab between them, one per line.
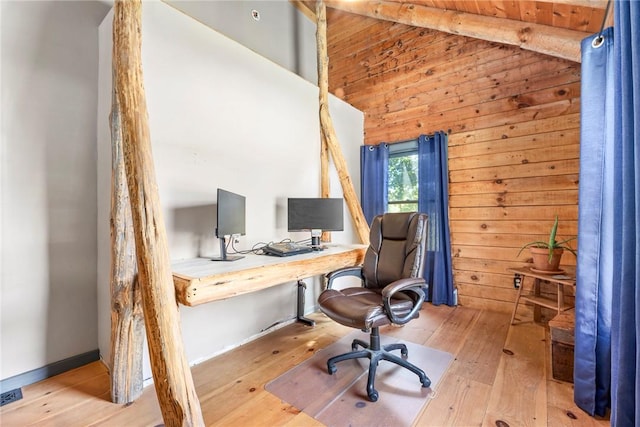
315	240
223	252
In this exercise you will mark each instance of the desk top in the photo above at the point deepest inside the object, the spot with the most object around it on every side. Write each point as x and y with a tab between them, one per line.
200	280
566	278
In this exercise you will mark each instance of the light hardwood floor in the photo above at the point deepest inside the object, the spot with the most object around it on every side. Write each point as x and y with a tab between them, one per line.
500	373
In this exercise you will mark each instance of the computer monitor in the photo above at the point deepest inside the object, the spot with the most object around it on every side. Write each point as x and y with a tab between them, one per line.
315	215
231	221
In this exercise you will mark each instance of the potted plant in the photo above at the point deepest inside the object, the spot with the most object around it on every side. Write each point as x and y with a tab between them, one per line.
547	255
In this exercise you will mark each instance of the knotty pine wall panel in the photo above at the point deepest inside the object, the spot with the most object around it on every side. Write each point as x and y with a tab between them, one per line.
513	120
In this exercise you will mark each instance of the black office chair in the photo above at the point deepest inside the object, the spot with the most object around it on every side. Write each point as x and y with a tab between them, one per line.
391	291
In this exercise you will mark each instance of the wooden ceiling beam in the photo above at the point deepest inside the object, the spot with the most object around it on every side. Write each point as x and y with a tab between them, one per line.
553	41
596	4
305	9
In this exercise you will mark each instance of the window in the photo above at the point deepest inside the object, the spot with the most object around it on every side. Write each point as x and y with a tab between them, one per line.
402	190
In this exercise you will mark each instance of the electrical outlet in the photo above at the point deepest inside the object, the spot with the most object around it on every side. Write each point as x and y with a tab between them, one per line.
10	396
517	280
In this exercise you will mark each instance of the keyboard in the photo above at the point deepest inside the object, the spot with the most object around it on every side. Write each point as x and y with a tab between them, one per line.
286	249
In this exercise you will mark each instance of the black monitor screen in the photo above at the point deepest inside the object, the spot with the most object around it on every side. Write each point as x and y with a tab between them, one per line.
315	214
231	214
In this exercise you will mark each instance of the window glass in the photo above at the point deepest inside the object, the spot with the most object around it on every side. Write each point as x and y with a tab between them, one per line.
403	181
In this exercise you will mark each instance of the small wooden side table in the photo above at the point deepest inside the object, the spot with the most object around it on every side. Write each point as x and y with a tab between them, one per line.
567	278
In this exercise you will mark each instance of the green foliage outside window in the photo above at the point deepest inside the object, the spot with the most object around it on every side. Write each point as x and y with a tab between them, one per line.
403	183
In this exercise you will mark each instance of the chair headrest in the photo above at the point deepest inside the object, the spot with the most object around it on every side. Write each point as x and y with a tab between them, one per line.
396	226
397	248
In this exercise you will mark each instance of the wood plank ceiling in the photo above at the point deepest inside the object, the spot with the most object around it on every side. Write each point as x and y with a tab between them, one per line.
512	115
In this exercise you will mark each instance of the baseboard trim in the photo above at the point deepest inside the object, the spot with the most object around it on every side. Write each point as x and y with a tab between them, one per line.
49	370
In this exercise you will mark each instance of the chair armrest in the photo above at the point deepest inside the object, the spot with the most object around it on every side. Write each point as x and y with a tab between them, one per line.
342	272
412	286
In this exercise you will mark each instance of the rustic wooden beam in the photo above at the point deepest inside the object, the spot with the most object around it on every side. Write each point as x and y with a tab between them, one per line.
596	4
306	11
171	374
127	321
553	41
325	183
303	6
328	131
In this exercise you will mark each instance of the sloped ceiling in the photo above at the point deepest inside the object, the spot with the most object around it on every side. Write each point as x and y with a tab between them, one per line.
550	27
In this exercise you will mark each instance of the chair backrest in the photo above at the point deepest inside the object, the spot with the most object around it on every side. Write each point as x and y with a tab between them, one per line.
397	248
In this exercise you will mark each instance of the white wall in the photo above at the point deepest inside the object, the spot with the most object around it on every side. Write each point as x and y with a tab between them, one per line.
221	116
283	34
48	243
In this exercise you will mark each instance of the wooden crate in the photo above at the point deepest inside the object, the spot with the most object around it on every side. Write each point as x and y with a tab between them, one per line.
562	329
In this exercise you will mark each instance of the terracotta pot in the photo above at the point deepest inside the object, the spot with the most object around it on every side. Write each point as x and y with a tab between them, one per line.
541	259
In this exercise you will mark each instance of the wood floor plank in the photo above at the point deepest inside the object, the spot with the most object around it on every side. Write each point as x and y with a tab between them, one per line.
76	415
245	388
458	401
433	316
483	385
145	411
302	420
42	389
62	400
272	412
519	395
452	334
479	357
562	410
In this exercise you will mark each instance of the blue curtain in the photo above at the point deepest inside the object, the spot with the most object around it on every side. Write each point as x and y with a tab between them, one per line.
433	200
594	273
625	322
374	164
607	298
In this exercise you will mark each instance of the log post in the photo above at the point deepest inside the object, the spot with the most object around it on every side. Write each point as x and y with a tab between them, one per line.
328	131
127	322
172	377
325	184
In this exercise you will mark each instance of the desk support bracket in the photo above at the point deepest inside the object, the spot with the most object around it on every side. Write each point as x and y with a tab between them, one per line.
302	287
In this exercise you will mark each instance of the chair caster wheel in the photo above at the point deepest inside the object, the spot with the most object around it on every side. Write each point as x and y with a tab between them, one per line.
404	352
331	369
373	396
426	383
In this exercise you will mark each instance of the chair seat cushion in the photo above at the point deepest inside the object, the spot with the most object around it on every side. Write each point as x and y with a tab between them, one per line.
361	308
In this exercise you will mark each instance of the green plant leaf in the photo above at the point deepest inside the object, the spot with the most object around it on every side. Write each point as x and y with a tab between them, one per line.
552	236
551	244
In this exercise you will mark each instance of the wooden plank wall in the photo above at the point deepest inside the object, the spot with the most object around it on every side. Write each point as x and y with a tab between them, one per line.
513	123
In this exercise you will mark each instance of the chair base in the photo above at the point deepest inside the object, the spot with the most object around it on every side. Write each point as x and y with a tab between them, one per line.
375	353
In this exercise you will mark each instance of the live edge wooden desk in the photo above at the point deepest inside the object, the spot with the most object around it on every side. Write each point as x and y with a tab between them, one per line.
200	280
567	278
